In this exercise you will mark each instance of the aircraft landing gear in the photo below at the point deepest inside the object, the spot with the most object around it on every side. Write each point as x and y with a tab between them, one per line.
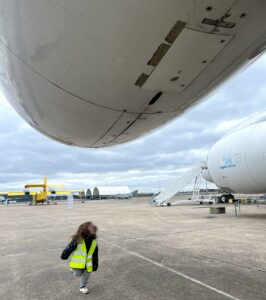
226	198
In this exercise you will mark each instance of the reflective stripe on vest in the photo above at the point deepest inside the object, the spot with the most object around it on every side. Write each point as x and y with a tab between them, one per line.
89	256
80	259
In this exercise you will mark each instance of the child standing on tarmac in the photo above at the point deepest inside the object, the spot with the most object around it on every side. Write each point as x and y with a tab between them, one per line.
83	252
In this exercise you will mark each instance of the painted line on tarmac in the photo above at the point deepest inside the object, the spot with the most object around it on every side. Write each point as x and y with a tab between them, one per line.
177	273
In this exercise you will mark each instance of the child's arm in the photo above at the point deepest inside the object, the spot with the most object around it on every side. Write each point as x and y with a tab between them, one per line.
68	250
95	259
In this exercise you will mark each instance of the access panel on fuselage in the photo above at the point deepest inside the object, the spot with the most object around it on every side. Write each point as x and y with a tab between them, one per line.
190	54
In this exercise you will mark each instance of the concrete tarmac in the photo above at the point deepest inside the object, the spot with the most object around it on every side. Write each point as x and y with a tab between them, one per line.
146	253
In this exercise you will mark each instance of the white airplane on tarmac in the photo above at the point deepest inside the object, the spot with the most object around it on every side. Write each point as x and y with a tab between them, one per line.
236	163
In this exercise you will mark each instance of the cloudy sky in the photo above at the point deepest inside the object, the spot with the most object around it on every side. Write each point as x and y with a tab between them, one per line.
146	164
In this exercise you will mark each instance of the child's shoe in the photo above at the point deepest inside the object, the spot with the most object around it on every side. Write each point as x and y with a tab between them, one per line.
84	290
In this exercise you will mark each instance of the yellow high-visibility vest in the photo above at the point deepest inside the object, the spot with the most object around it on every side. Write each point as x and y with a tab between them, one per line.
80	259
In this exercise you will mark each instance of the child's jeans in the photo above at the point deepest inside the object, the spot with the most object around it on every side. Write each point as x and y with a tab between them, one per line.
84	276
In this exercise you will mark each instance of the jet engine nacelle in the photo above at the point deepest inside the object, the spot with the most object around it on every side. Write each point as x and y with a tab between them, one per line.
237	162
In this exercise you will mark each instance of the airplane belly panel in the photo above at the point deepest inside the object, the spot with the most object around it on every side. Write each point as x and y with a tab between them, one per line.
99	73
190	54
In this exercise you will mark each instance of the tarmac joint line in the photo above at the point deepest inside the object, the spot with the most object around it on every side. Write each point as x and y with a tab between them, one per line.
162	266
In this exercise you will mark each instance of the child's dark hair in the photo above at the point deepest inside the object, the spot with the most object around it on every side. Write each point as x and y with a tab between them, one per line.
81	232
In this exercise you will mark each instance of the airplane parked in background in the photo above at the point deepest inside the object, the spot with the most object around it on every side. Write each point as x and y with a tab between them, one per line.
41	195
236	163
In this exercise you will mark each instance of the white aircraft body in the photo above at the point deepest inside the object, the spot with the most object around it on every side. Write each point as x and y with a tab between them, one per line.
237	162
99	73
